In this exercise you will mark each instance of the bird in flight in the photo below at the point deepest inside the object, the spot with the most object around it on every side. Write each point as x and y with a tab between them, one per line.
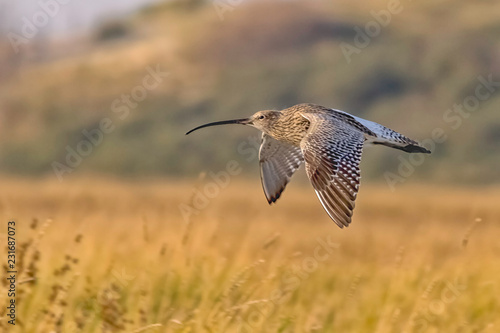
328	141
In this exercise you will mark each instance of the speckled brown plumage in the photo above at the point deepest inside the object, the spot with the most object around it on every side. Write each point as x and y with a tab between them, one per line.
329	141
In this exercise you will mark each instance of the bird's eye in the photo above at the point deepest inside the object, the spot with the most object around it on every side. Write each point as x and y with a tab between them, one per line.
261	117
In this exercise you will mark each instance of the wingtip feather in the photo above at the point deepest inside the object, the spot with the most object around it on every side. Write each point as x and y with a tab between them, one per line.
416	149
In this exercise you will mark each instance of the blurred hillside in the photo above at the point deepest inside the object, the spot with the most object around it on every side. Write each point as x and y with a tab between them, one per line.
230	61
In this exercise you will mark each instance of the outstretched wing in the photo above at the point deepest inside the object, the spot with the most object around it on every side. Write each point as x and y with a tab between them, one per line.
332	152
278	162
380	135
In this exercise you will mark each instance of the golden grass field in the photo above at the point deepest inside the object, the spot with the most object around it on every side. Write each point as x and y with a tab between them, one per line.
98	255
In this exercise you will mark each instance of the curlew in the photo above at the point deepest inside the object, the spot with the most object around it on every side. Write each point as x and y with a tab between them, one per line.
330	143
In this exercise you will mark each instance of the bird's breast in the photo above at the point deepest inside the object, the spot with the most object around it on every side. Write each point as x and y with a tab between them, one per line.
291	131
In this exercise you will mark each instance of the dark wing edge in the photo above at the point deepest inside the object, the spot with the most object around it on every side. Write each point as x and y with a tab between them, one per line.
380	135
332	152
278	162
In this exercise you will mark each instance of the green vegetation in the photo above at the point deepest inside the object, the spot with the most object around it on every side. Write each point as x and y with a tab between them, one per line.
261	56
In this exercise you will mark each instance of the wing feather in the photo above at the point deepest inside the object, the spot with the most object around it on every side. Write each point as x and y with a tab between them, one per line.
332	152
278	162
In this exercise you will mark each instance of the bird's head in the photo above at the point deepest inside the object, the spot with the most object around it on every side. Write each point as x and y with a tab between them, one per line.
262	120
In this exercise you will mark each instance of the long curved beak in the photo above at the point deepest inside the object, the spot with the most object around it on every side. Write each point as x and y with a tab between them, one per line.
244	121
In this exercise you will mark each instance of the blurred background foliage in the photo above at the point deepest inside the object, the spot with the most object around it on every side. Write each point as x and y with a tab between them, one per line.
254	55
